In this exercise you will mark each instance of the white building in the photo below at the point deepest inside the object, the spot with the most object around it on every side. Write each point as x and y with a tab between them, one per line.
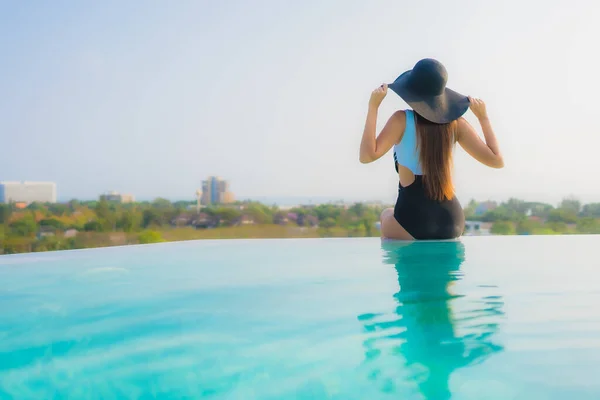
27	192
477	228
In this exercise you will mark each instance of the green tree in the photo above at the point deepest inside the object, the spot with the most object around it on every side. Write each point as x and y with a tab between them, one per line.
571	204
541	210
558	226
469	210
52	222
369	224
58	209
106	216
150	237
129	221
325	211
227	215
588	225
184	204
2	237
358	230
563	215
516	206
591	210
527	227
502	213
260	213
161	203
25	226
503	228
94	226
35	206
49	243
151	217
358	209
74	205
5	213
328	223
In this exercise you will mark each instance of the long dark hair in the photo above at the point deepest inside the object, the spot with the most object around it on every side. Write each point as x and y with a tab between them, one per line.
435	142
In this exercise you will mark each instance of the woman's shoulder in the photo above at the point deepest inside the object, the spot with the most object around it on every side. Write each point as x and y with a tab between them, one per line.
401	114
462	126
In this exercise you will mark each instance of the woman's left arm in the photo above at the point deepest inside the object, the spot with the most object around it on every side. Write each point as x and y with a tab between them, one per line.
371	147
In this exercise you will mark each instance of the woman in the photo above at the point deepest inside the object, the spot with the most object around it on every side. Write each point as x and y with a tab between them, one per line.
423	140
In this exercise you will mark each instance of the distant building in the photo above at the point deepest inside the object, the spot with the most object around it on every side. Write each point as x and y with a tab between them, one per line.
477	228
127	198
111	196
46	231
247	220
228	198
116	197
183	219
197	220
27	192
70	233
222	189
202	221
215	191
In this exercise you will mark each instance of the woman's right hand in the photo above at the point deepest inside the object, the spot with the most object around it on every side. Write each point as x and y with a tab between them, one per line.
377	96
478	108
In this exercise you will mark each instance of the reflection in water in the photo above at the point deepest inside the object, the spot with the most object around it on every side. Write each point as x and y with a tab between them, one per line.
434	330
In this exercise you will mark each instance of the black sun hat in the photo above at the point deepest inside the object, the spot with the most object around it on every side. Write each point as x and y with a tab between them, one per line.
424	89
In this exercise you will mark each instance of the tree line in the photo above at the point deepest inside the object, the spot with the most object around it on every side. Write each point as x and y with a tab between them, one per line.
516	216
72	225
80	224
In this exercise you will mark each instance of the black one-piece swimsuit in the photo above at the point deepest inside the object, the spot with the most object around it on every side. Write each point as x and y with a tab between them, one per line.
424	218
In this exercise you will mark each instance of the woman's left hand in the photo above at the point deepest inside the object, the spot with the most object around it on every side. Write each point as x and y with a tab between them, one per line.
378	95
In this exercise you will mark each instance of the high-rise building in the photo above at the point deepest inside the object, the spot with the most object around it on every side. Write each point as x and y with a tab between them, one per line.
111	196
223	192
215	191
228	198
27	192
117	197
205	199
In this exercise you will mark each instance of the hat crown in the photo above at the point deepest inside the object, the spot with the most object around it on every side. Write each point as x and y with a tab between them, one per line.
428	77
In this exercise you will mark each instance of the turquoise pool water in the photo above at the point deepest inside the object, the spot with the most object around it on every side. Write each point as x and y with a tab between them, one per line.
483	318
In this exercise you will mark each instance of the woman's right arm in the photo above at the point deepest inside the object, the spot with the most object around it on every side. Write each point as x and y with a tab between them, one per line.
488	152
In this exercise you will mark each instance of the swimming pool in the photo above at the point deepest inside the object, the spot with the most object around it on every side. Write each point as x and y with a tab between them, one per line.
482	318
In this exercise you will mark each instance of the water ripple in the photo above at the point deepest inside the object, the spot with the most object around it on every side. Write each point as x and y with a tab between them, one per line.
434	330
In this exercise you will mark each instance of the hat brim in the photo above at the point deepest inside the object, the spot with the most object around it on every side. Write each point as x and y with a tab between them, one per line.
440	109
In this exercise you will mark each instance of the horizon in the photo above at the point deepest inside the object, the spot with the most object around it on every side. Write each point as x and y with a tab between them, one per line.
284	201
272	96
320	199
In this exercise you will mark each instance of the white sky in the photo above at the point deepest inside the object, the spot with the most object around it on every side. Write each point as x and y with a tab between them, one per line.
150	99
